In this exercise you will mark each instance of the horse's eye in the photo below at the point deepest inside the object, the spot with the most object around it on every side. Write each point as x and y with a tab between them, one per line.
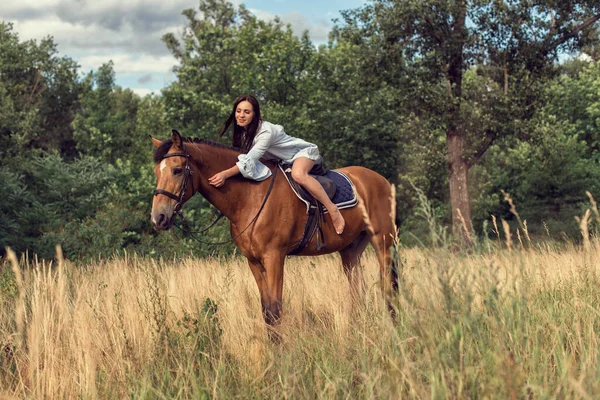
177	171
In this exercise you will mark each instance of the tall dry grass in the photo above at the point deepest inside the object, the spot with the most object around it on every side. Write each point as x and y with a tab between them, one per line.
498	324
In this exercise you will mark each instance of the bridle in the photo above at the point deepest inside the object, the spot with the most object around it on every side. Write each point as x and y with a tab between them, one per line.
187	175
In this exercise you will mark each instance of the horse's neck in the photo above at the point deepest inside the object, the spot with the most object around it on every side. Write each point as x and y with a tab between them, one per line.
210	160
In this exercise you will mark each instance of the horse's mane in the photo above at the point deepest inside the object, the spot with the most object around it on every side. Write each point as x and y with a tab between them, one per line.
164	148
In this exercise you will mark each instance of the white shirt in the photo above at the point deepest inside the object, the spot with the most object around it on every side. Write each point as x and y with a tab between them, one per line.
272	143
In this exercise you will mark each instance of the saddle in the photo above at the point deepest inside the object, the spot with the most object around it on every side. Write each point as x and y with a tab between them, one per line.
339	189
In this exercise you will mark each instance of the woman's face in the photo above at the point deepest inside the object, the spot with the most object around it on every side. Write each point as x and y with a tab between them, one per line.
244	113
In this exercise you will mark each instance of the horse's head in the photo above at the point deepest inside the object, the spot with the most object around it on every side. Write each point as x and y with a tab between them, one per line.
174	180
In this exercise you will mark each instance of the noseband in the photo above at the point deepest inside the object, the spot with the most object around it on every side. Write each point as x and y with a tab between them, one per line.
187	174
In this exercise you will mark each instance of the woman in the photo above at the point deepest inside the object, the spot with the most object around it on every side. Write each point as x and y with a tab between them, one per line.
262	139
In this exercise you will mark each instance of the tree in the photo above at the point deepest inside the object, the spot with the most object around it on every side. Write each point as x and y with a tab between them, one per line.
39	96
592	46
574	100
511	45
106	124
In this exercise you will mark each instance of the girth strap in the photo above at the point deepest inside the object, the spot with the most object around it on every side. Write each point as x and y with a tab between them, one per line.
312	227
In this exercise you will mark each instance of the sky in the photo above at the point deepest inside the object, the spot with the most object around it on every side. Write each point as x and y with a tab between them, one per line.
128	32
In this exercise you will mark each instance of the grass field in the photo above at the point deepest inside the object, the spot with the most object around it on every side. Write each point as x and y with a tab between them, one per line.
496	324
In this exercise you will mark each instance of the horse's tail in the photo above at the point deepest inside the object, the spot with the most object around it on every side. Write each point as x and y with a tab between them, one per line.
395	273
396	263
394	276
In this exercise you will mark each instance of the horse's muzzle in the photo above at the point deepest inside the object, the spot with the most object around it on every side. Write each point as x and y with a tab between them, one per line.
161	221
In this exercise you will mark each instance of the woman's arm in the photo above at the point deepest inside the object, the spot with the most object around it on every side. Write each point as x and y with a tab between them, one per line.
249	164
262	142
219	178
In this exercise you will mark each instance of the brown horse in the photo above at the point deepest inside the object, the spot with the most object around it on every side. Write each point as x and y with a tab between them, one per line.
267	219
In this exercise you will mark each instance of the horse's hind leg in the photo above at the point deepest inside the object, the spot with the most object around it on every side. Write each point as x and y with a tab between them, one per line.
351	263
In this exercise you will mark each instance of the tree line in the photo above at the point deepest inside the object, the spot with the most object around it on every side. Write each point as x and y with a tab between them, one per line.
453	101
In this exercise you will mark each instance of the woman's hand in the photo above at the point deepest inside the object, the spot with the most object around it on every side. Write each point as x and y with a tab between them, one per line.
218	180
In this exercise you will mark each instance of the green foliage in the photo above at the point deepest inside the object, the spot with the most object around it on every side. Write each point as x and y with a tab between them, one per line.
434	233
70	189
39	96
574	101
14	193
108	118
8	285
470	71
150	120
49	193
356	123
549	165
548	173
111	230
203	329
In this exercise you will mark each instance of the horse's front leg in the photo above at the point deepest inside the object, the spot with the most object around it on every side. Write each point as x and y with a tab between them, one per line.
268	274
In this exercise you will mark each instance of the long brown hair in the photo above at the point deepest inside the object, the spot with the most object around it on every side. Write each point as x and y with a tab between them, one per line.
243	138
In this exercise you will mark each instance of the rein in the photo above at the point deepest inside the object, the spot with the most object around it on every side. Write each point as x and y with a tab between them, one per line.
221	215
188	174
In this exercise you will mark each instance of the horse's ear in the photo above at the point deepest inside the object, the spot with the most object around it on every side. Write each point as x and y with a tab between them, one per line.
156	142
176	137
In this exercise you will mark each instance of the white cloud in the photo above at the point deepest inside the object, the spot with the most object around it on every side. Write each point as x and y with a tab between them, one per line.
130	64
77	37
64	33
21	8
128	32
318	28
